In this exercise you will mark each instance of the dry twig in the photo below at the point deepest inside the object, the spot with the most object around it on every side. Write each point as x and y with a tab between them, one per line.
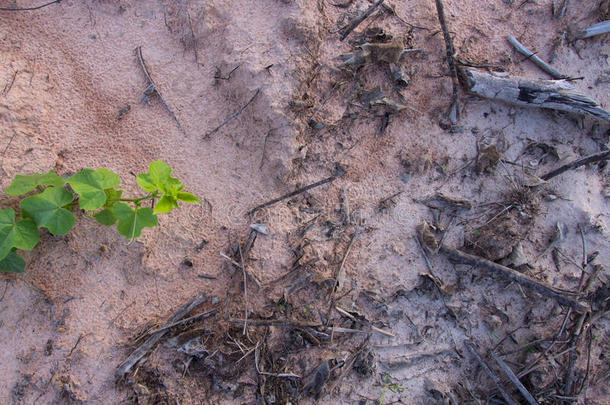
513	378
596	157
490	373
532	56
454	108
515	276
292	194
29	8
152	89
352	26
233	116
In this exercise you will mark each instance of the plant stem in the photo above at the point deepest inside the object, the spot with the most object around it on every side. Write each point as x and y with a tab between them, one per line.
136	200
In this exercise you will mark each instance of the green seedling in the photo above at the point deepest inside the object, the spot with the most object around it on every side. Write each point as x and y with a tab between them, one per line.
388	385
94	191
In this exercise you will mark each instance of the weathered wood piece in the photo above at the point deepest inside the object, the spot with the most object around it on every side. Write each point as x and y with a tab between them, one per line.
595	29
550	94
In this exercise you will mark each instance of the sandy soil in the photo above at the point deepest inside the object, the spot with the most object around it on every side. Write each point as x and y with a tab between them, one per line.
66	323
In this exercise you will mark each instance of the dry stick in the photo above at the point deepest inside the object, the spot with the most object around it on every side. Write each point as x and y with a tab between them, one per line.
532	56
152	89
454	110
513	275
197	317
339	273
232	116
352	26
554	95
509	373
365	323
292	194
9	85
596	157
275	322
243	269
228	77
126	366
490	373
325	99
564	6
9	142
30	8
195	45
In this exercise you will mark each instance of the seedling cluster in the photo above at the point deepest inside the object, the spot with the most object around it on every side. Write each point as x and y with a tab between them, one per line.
94	191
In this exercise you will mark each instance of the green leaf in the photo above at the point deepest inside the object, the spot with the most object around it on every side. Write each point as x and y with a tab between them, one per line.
165	204
13	263
105	217
132	221
112	194
23	184
187	197
145	183
46	209
21	235
158	175
90	185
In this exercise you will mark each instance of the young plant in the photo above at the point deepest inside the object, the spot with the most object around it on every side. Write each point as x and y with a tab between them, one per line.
94	191
388	385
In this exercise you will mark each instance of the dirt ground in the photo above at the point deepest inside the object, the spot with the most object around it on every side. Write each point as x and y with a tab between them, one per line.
402	327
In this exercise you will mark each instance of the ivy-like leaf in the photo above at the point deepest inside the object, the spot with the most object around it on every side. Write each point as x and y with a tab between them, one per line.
46	209
13	263
23	184
187	197
21	235
158	175
132	221
111	196
105	217
165	204
90	185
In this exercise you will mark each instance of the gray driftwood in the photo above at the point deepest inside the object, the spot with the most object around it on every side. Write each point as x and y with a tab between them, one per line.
550	94
126	366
